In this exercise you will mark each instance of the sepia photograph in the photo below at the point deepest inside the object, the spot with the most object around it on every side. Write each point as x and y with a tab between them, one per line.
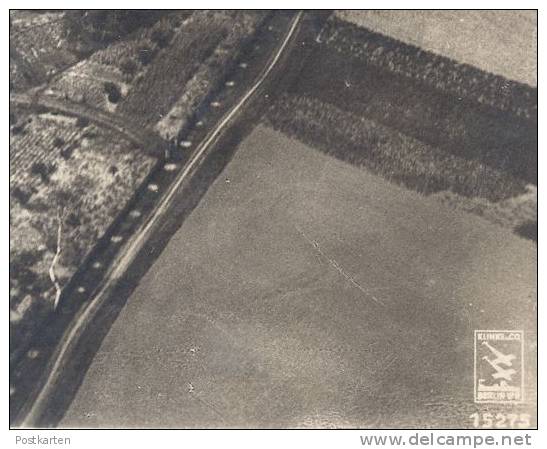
273	219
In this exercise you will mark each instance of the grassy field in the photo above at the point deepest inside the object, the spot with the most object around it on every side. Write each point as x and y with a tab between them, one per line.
505	42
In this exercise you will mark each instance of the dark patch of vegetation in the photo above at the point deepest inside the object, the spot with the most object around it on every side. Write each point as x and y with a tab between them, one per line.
528	230
21	271
106	26
66	153
38	206
18	129
64	198
113	91
146	54
82	122
43	170
128	67
58	142
73	220
21	194
88	134
26	258
162	36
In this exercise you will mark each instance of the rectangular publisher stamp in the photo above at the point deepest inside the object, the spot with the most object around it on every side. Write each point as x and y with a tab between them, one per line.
499	366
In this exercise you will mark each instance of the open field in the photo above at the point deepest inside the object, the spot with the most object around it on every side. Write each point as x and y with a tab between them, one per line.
339	298
449	33
68	181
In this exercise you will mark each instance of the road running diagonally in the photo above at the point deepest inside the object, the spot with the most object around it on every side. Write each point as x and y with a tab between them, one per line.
132	247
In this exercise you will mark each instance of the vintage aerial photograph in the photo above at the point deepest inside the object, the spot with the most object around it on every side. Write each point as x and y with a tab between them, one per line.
273	219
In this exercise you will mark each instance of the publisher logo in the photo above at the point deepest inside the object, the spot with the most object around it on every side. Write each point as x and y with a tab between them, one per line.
499	366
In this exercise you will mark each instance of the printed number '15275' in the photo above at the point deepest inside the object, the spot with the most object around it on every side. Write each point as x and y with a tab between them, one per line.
501	420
